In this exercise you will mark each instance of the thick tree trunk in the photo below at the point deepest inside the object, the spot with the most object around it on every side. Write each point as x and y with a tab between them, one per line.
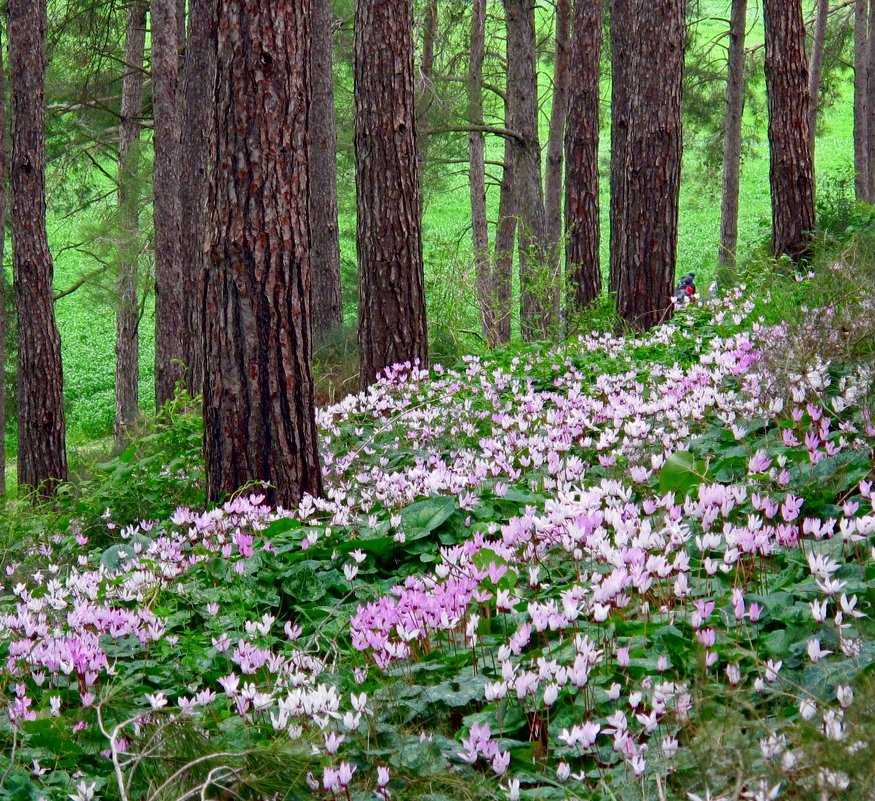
732	137
582	232
196	134
477	176
644	296
259	407
392	326
815	70
556	136
621	82
42	458
327	305
861	105
791	173
538	283
127	316
169	305
425	89
505	236
3	177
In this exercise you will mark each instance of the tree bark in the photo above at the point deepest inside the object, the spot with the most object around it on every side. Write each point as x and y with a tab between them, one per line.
42	458
556	137
870	101
653	167
392	325
861	82
169	306
477	176
732	137
327	304
196	134
127	318
537	275
505	236
621	81
818	41
791	173
259	406
3	177
582	231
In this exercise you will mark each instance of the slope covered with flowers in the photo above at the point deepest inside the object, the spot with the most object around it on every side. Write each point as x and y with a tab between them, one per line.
622	568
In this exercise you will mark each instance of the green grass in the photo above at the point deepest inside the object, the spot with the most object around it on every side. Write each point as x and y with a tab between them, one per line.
86	318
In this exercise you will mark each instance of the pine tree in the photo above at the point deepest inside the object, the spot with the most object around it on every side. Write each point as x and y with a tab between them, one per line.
791	174
259	405
392	325
42	457
582	228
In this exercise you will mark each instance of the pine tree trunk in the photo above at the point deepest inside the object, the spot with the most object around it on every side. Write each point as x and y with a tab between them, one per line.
818	41
582	231
870	101
477	176
392	326
556	136
42	458
169	305
537	275
646	282
791	175
732	137
327	305
195	137
127	318
259	406
3	177
861	88
505	237
621	82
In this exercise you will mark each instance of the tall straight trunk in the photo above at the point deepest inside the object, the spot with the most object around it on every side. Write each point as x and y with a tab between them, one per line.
195	137
556	135
425	88
815	70
538	283
653	165
861	105
477	176
505	236
732	137
327	304
392	326
42	458
791	173
127	316
169	306
3	177
259	405
582	232
870	101
621	82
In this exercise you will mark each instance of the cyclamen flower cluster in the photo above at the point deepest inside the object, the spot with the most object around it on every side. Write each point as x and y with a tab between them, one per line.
544	603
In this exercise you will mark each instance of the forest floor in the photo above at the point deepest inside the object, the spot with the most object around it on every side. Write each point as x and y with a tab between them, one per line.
625	568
